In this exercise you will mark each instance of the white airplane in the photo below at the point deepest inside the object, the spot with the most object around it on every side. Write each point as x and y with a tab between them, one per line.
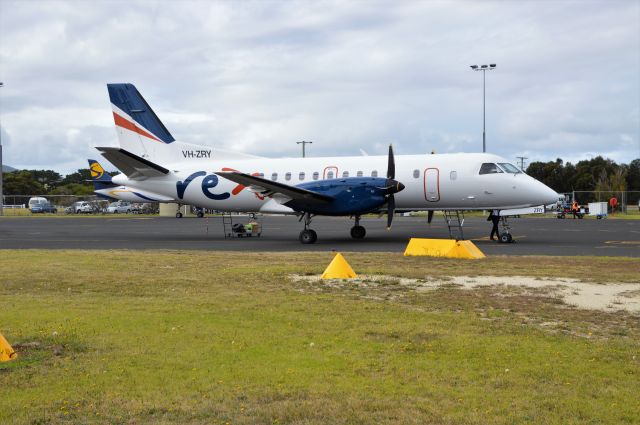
152	160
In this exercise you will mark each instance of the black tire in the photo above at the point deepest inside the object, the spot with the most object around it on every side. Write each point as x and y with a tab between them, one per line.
358	232
200	214
510	238
178	215
308	236
504	238
128	211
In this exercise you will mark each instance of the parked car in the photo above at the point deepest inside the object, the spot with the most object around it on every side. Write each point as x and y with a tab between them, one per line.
36	201
82	207
44	208
119	207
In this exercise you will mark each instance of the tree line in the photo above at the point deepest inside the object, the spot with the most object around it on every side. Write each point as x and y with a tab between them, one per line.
596	174
48	182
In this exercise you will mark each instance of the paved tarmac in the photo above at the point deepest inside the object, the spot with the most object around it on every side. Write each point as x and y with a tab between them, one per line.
534	236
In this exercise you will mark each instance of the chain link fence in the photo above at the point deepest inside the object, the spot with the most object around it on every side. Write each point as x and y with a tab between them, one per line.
628	200
19	205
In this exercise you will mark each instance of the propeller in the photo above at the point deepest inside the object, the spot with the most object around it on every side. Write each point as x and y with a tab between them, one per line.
392	186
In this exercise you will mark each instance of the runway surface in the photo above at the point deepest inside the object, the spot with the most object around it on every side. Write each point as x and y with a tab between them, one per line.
534	236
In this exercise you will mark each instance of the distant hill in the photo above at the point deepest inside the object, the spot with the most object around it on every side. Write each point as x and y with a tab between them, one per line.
7	169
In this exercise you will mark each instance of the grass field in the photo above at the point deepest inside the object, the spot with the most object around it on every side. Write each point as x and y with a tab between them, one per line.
201	337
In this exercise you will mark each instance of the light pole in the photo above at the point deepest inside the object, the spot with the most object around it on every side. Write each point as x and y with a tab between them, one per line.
303	145
483	68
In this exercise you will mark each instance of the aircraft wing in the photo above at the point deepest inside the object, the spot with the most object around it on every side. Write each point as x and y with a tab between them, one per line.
268	188
133	166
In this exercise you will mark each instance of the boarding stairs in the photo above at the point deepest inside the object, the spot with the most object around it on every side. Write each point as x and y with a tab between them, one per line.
455	221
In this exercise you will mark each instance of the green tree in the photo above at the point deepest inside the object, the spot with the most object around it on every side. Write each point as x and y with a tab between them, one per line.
21	183
633	175
82	176
49	179
589	172
551	173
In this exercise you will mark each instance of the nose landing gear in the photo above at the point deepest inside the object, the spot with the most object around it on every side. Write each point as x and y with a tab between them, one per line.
505	235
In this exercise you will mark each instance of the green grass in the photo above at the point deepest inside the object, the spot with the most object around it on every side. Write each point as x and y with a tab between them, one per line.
201	337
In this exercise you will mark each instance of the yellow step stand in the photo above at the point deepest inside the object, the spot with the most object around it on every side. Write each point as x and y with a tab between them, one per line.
448	248
339	269
6	352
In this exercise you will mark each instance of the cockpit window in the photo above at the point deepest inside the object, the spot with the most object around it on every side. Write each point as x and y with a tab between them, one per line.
489	168
510	168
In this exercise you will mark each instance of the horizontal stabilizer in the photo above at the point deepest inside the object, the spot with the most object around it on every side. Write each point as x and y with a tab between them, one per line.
268	187
133	166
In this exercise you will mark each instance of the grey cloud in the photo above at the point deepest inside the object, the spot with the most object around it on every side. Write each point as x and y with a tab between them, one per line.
259	76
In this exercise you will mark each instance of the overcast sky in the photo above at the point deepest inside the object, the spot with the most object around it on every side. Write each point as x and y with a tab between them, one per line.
257	76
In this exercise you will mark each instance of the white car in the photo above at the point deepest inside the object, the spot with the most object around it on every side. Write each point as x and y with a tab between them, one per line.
82	207
119	207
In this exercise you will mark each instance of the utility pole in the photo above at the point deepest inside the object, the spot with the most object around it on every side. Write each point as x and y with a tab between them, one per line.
522	158
483	68
303	143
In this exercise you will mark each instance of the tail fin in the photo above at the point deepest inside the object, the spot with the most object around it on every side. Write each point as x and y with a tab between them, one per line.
100	179
136	123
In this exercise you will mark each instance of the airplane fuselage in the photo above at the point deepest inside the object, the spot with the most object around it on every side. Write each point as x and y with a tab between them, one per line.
432	182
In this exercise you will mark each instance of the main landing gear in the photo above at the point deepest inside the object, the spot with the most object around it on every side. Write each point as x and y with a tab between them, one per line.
357	231
178	212
307	236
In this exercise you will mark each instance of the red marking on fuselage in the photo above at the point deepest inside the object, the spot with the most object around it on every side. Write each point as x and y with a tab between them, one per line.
124	123
239	188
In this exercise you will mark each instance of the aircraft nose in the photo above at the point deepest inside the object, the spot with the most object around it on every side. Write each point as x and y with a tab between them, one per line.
547	195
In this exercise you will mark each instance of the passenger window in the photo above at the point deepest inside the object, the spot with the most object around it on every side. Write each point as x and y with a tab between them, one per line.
301	175
374	173
274	176
359	173
345	174
330	175
261	175
316	175
453	175
489	168
287	176
416	174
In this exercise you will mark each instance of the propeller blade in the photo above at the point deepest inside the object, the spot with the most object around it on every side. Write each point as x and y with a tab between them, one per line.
391	165
429	216
391	208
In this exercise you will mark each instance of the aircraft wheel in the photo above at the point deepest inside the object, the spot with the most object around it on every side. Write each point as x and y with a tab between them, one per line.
200	214
505	238
308	236
179	215
358	232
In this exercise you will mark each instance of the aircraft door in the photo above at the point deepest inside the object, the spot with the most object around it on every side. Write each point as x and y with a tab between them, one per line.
330	172
432	184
